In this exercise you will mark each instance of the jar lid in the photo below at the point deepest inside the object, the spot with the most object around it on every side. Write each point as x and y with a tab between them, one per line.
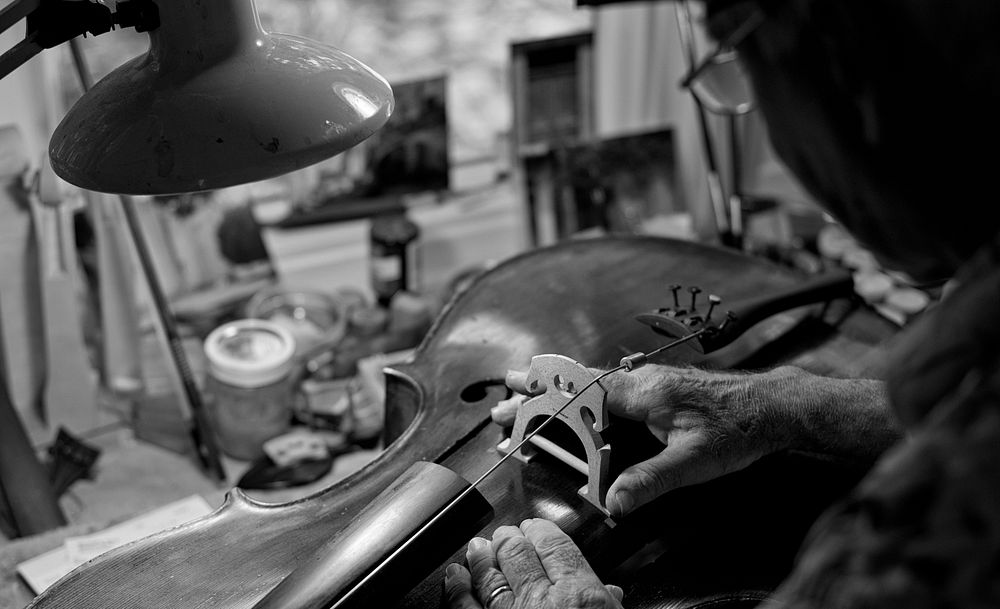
908	300
249	352
872	286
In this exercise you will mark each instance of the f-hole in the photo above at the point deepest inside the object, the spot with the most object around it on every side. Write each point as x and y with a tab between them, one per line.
481	390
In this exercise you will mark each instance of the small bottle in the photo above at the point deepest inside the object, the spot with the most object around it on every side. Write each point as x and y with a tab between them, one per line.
391	236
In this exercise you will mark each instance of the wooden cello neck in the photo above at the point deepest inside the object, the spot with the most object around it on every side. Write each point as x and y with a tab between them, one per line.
721	327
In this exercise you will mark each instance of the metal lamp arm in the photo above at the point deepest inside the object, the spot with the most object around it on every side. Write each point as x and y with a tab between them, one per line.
53	22
16	11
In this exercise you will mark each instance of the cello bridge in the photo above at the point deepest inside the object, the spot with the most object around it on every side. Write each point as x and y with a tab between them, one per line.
552	381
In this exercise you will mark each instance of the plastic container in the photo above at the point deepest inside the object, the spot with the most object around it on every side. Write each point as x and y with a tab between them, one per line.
250	391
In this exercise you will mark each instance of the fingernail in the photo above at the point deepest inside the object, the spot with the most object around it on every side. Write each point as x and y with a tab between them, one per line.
621	503
477	544
616	591
452	570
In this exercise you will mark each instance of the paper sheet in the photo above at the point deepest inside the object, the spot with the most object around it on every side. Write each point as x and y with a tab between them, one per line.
42	571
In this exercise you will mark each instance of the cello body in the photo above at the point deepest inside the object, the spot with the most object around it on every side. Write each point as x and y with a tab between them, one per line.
577	299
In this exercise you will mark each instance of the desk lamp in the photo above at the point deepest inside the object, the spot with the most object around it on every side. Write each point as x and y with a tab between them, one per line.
216	101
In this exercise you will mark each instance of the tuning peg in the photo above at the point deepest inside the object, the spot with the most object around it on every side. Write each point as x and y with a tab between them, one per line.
695	290
712	301
674	288
730	316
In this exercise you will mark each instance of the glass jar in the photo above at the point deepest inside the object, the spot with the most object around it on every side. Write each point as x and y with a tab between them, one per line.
249	385
312	317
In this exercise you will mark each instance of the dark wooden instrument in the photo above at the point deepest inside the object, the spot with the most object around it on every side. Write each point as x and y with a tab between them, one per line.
577	299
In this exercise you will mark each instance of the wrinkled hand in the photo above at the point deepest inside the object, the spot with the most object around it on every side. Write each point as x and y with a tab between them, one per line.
536	566
712	423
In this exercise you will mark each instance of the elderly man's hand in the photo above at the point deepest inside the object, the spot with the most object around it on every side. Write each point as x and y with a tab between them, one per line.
713	423
536	566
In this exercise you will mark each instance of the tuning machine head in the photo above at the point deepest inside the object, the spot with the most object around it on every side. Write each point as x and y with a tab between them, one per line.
676	322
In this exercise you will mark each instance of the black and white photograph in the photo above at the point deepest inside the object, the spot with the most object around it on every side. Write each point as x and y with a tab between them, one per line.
534	304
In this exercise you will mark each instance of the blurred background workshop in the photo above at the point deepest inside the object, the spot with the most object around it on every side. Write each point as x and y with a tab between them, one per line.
206	270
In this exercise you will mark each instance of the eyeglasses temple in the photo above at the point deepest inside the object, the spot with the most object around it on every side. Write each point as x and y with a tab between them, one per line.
735	38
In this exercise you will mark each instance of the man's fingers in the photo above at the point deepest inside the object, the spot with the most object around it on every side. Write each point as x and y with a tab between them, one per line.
558	554
458	588
683	462
519	562
627	392
504	412
616	592
486	575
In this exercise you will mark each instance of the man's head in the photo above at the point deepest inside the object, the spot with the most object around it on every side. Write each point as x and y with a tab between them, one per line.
889	112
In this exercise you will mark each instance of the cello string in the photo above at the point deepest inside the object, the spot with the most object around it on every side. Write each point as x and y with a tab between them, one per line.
679	341
465	493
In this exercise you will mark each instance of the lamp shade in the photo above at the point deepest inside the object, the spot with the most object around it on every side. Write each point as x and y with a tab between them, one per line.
216	101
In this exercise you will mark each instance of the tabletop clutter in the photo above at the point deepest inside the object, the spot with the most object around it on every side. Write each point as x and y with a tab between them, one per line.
297	380
889	293
291	385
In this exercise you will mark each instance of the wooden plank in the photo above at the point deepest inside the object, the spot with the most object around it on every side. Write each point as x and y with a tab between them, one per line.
70	388
20	296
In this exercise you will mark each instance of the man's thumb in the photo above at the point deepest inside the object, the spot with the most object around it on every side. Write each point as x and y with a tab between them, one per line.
675	466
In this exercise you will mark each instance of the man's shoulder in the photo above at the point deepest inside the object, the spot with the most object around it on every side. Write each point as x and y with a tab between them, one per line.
923	528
